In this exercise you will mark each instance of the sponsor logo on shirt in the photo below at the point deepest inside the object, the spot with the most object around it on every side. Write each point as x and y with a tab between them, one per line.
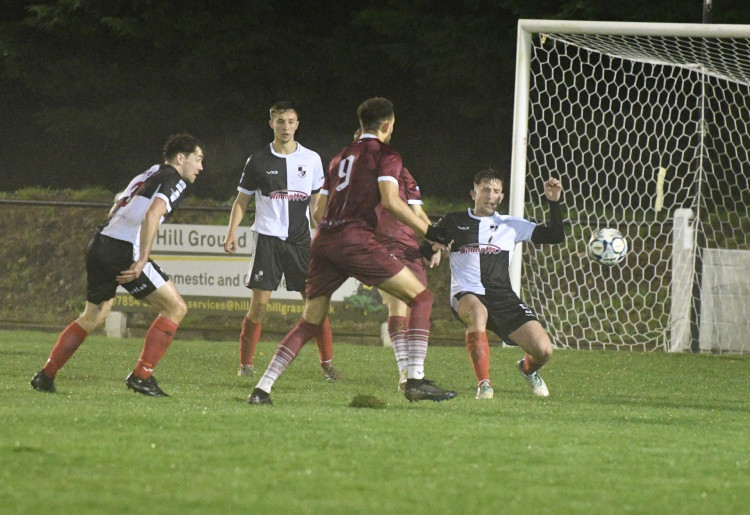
480	248
272	172
288	195
463	227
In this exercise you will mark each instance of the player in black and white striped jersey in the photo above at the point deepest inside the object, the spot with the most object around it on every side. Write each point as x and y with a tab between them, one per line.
118	254
481	293
284	179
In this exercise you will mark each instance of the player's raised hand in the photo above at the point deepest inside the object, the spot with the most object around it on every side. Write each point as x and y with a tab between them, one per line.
553	189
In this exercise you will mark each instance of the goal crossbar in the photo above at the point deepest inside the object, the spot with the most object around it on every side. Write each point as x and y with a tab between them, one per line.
617	28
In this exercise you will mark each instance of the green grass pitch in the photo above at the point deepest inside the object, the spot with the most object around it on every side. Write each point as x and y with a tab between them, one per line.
622	432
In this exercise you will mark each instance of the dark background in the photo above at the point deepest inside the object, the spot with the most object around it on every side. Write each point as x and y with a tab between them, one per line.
92	88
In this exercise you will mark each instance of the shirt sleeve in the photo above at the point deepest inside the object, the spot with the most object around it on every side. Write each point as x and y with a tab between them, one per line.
411	189
552	231
390	166
319	176
171	189
248	183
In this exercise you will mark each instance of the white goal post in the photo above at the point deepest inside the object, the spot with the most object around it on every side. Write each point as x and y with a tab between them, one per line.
647	126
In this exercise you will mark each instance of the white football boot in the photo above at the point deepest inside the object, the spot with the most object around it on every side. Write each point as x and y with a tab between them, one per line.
535	382
484	390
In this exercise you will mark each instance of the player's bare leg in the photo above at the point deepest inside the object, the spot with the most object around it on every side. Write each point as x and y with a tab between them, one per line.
533	339
94	315
473	314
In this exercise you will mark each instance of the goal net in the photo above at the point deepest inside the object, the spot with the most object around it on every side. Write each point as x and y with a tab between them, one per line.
647	126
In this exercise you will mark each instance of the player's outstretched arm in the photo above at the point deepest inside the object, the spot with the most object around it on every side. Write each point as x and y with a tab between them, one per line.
553	231
391	202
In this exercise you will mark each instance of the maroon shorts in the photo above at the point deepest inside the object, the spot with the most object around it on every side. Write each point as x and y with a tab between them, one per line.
411	257
347	251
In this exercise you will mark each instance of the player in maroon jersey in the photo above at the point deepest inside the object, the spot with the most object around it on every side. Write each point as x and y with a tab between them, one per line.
118	254
361	177
401	241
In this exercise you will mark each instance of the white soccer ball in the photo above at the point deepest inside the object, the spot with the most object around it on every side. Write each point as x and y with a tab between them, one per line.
608	246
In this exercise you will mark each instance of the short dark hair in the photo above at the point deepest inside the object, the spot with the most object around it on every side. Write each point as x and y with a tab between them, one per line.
373	112
182	143
488	174
281	106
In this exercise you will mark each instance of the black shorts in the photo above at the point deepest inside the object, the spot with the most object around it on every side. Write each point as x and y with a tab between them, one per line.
274	258
504	314
105	258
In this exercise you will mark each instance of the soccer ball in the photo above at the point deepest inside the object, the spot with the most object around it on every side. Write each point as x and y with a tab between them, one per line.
608	246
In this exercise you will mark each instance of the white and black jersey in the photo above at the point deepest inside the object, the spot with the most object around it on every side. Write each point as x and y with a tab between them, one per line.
483	247
162	181
482	250
282	185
